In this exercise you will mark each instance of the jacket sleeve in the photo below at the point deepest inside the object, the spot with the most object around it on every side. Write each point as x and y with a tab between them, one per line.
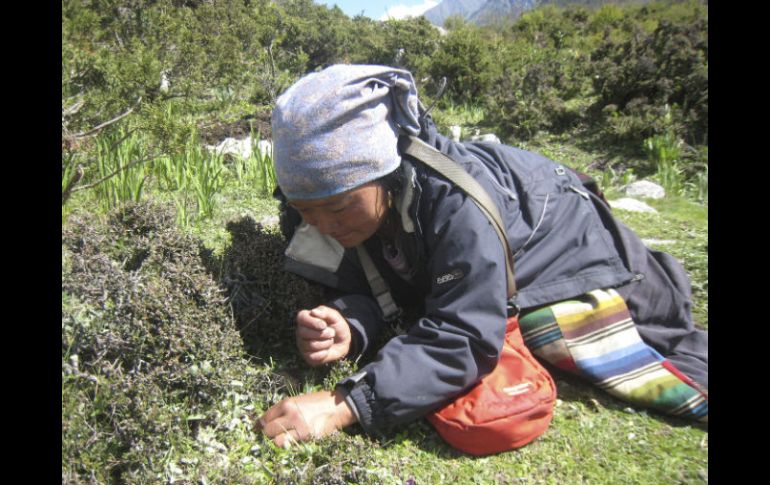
460	337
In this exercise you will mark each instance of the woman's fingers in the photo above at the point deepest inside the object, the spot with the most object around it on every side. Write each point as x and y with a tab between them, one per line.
285	424
317	358
319	332
328	315
306	319
316	345
287	439
305	417
306	333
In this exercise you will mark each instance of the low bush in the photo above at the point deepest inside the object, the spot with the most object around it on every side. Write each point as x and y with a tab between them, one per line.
139	309
156	337
264	297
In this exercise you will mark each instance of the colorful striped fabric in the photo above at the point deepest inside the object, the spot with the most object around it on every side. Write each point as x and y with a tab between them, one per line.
594	337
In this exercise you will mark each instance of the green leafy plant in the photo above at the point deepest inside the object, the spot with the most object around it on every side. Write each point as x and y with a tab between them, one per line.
256	171
612	178
699	186
170	171
666	153
205	176
120	167
182	215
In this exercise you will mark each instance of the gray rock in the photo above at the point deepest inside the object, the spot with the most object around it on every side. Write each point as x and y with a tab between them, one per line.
489	137
241	148
657	242
164	84
455	132
631	205
646	189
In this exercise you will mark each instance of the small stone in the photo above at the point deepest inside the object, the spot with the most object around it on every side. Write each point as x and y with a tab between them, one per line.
657	242
645	189
255	449
629	410
174	472
455	132
235	383
75	361
488	137
632	205
631	436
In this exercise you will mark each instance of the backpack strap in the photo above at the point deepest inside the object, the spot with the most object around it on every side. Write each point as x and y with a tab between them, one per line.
455	173
380	290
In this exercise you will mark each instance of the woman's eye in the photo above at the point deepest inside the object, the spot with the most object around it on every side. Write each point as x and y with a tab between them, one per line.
337	211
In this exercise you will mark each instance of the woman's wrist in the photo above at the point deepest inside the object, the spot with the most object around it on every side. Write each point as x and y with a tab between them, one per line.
344	414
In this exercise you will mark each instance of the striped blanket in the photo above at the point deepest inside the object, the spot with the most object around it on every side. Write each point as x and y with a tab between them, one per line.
594	337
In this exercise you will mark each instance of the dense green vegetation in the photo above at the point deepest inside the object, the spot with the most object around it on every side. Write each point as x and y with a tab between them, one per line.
616	77
176	314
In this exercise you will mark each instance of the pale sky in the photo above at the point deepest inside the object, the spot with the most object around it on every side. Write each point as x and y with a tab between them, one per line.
382	9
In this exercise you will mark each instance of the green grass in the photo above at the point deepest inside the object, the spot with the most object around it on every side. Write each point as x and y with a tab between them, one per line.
685	224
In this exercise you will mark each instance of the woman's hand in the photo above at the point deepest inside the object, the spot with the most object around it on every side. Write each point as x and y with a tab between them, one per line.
323	335
306	417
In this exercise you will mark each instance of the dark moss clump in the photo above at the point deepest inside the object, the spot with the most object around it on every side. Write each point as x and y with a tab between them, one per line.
148	340
147	280
264	297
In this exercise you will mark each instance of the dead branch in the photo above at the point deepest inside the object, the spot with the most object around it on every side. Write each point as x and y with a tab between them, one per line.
129	165
76	177
93	131
74	108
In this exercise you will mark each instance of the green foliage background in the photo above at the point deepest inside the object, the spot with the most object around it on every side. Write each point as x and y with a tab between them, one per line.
616	69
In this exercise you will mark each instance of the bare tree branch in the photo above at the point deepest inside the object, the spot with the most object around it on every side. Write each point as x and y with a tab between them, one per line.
129	165
76	177
107	123
74	108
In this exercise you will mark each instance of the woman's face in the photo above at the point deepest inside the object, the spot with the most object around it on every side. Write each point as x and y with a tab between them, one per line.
351	217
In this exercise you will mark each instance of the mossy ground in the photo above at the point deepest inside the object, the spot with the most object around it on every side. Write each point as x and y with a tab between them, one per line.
164	369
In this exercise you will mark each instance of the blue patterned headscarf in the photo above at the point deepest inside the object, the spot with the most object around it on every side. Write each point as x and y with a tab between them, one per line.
337	129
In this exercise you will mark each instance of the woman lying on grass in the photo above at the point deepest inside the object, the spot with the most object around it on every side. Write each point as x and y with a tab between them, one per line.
347	186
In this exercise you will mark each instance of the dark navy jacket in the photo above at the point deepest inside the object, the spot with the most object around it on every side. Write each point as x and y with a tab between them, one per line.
562	247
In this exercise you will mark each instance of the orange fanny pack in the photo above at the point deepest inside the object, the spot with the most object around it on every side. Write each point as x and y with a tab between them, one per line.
507	409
